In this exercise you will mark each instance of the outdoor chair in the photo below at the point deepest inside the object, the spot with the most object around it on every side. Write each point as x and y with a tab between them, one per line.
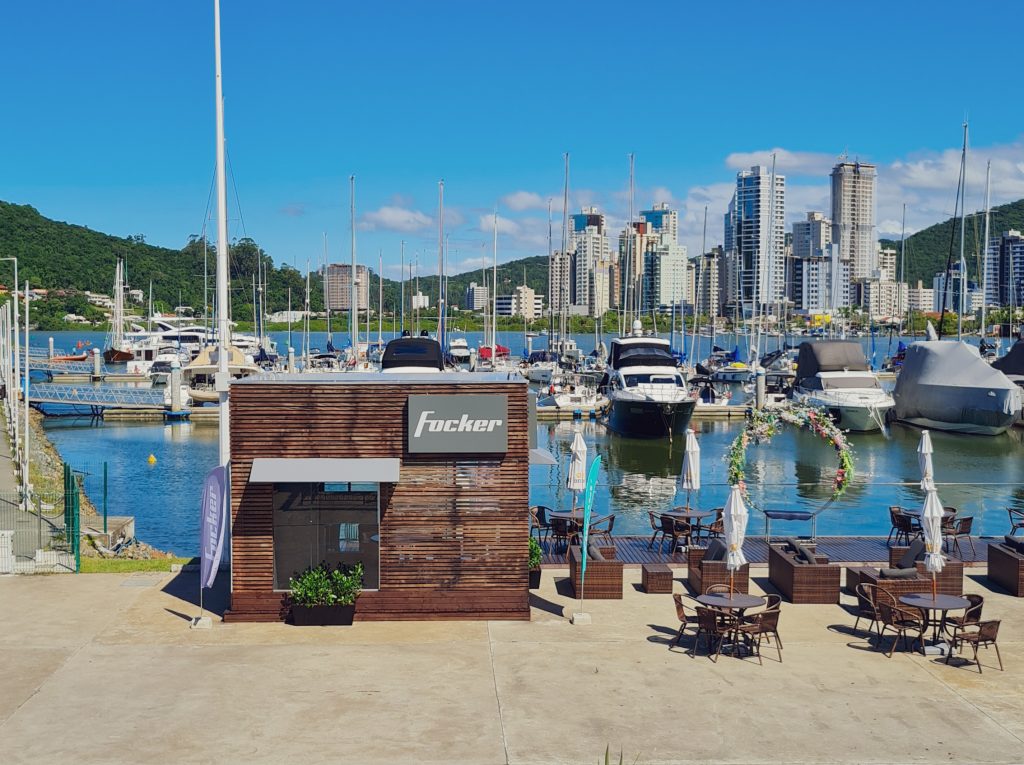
602	530
764	625
655	527
802	575
866	608
949	582
603	579
564	530
905	528
972	615
539	521
1016	520
980	634
714	626
894	510
899	620
719	589
960	529
715	529
687	618
672	528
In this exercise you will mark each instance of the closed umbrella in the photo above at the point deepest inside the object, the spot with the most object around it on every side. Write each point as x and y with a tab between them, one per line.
734	521
690	479
924	459
931	525
577	480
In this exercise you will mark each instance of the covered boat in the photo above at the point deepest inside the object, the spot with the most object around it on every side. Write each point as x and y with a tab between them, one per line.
947	386
1012	364
835	375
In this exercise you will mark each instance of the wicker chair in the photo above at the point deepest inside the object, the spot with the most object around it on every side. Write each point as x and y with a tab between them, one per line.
905	528
764	625
673	528
949	582
714	529
701	574
866	608
1016	520
899	620
565	530
655	527
539	521
894	510
686	619
603	530
981	634
604	577
803	582
972	615
959	529
714	626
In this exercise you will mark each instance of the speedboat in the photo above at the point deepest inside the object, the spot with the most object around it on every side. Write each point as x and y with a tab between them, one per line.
412	354
647	393
834	375
946	385
543	366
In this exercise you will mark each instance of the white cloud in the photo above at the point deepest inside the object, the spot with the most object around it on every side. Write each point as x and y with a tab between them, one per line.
391	218
506	226
524	200
795	163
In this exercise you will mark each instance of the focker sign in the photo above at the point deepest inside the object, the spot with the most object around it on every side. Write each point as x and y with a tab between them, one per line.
458	424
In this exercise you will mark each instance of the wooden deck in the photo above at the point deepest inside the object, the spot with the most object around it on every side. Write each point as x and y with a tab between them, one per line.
633	551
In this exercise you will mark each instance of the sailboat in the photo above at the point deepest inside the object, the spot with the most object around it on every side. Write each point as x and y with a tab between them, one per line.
118	350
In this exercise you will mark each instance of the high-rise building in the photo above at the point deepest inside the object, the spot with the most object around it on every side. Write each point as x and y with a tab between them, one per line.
339	287
853	216
821	282
662	220
1004	270
634	241
600	288
589	242
562	281
811	236
664	276
522	302
946	293
707	295
757	215
920	298
419	300
477	298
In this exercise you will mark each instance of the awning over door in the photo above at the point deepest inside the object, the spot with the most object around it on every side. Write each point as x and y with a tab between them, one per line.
324	470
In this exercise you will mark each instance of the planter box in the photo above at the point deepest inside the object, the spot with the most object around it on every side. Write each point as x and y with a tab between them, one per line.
534	578
322	616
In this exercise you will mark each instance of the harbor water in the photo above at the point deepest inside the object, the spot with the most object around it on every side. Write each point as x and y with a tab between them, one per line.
980	476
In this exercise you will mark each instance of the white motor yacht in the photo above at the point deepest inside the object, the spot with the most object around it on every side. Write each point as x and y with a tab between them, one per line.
834	375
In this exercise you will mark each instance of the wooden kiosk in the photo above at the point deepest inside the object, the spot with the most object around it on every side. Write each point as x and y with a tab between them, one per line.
424	478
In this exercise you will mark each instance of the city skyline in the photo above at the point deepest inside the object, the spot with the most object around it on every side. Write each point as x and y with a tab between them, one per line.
114	126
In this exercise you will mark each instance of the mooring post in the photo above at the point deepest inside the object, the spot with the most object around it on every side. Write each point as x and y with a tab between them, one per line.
49	348
291	360
759	387
175	386
96	369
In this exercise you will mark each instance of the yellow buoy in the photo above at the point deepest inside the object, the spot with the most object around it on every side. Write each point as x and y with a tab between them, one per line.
151	460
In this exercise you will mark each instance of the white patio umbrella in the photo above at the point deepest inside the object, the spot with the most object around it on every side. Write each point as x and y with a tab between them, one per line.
931	525
577	480
690	479
924	459
734	521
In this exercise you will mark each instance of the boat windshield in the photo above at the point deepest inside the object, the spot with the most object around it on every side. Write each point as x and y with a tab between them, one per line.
837	383
652	379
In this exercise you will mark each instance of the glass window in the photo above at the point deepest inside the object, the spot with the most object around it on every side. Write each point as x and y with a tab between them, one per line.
332	523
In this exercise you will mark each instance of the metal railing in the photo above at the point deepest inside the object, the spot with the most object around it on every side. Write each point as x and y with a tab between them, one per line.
37	540
107	397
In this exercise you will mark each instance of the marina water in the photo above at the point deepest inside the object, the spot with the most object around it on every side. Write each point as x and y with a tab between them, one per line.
980	476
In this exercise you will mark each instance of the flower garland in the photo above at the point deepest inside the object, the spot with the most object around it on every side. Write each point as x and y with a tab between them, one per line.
762	424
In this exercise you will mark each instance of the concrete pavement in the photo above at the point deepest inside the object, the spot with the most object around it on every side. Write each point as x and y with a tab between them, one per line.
103	668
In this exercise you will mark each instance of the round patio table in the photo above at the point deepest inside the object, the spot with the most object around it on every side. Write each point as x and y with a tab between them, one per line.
684	512
943	603
737	600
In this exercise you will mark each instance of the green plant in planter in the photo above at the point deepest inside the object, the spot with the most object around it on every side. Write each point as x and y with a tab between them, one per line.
535	553
320	586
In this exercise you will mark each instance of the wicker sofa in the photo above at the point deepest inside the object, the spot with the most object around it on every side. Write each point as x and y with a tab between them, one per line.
949	582
604	577
701	574
801	582
1006	567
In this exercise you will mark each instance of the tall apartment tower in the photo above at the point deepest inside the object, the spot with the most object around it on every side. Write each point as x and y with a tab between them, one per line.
339	286
707	295
588	239
1004	270
477	297
758	215
662	220
853	216
562	282
664	277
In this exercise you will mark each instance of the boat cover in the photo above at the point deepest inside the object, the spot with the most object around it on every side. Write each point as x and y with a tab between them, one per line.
1013	362
947	384
422	352
830	356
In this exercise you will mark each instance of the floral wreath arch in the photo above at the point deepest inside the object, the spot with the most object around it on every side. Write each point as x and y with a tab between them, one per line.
762	424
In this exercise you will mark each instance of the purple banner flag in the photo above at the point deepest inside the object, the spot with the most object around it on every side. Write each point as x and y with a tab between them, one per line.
214	525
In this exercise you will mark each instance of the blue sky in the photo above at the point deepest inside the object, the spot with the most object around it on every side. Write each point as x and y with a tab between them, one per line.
108	116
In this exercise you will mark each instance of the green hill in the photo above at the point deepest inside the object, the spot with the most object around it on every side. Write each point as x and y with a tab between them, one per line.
55	255
928	249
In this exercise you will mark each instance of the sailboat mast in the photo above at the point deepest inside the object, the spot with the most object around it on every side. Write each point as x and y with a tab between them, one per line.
563	319
900	310
401	287
290	346
494	296
380	299
440	262
305	332
223	327
984	246
551	280
353	319
963	262
327	295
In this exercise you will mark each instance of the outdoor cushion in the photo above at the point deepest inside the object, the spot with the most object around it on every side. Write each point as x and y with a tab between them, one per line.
1015	544
897	573
716	550
594	552
793	543
805	555
913	553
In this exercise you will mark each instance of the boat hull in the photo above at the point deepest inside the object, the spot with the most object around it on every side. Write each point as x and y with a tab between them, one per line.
650	419
117	356
860	419
967	428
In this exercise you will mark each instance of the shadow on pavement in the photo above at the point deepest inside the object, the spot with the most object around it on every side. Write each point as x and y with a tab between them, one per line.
185	587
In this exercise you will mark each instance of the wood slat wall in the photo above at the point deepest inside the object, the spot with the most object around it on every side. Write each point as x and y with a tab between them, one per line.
454	530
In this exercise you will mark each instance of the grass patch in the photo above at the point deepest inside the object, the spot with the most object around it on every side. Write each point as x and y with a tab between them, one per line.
92	565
